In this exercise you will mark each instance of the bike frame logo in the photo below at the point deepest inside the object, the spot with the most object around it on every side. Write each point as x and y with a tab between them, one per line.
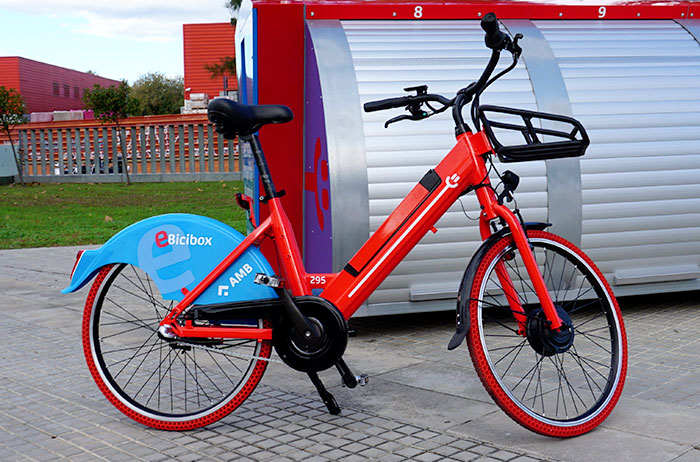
452	181
164	239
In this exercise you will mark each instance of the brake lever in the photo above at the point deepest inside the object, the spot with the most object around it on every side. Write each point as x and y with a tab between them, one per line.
514	48
416	114
398	119
415	108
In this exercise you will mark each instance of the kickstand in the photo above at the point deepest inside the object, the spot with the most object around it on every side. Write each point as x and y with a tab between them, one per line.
327	398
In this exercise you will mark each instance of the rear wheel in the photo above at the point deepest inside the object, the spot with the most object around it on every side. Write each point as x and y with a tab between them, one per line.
561	383
166	384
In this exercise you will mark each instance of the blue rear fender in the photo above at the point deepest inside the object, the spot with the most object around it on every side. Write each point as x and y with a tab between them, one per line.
178	251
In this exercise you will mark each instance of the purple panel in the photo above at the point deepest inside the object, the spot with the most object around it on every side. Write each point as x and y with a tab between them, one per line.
318	249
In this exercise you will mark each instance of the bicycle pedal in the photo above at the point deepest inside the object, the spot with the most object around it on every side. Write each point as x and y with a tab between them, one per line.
360	380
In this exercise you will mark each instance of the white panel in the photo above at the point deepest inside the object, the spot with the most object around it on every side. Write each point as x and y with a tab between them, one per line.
636	87
445	55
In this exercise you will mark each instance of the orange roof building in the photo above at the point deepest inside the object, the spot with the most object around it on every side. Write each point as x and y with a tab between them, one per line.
46	87
206	44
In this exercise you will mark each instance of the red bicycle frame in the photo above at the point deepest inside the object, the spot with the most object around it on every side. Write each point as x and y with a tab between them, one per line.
462	167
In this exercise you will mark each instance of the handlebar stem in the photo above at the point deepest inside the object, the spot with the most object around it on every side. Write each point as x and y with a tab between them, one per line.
465	95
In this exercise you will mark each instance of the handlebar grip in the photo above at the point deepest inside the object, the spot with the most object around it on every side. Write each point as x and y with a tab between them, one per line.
388	103
495	39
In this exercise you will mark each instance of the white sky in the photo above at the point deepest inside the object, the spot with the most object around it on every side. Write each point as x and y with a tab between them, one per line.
118	39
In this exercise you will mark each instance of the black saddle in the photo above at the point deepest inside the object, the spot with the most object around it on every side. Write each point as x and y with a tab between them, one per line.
231	118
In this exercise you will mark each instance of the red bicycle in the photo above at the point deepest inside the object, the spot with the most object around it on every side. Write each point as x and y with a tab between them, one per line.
177	338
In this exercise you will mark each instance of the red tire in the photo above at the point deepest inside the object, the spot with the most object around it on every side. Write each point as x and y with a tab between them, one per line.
556	385
163	384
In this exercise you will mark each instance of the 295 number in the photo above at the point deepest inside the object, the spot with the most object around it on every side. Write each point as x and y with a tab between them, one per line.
318	280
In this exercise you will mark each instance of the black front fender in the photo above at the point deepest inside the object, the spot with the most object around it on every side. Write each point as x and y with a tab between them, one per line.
462	326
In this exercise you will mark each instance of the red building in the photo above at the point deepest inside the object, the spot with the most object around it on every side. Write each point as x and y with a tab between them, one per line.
46	87
207	44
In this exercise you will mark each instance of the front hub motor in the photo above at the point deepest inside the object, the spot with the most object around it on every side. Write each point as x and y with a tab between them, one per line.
547	341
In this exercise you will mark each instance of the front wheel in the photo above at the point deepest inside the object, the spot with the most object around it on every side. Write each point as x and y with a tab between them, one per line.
163	383
557	384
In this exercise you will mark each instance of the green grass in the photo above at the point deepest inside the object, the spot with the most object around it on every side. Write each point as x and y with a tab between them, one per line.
43	215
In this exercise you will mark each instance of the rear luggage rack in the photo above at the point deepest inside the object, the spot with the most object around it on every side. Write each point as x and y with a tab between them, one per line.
569	136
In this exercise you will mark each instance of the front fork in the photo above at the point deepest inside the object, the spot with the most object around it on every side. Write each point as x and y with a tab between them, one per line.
496	211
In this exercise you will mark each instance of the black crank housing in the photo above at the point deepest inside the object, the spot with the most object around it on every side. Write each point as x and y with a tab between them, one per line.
303	356
290	345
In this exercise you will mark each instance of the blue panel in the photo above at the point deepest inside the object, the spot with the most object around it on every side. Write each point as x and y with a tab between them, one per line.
178	251
248	94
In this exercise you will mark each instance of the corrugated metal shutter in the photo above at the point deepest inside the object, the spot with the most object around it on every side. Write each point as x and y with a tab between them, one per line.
35	82
207	44
635	85
446	55
9	72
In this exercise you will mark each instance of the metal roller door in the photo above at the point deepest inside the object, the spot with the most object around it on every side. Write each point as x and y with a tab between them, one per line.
446	55
636	87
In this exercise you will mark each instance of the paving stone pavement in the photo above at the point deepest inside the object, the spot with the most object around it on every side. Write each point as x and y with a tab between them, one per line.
423	403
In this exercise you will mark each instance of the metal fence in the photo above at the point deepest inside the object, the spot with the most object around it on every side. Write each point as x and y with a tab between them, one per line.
153	152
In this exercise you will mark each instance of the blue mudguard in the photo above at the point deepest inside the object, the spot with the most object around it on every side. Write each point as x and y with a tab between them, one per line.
177	251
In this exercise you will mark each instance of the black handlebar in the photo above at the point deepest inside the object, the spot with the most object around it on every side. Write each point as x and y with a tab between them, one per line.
495	39
388	103
404	101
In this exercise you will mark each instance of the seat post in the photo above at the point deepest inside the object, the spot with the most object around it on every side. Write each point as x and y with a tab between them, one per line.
261	163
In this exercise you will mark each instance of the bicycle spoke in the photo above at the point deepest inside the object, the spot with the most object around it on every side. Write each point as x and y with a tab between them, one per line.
514	330
534	371
220	368
123	320
519	348
125	332
586	374
532	374
523	282
590	339
592	363
147	291
147	298
196	381
230	361
134	356
157	376
156	370
581	307
136	319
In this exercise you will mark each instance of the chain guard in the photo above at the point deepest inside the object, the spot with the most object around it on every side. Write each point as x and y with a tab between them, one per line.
327	350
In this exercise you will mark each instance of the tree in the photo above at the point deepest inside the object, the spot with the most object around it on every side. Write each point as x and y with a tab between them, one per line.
225	66
233	5
11	113
158	94
112	105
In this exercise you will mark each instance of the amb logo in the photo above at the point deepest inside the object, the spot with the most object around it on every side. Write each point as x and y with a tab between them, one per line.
237	277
